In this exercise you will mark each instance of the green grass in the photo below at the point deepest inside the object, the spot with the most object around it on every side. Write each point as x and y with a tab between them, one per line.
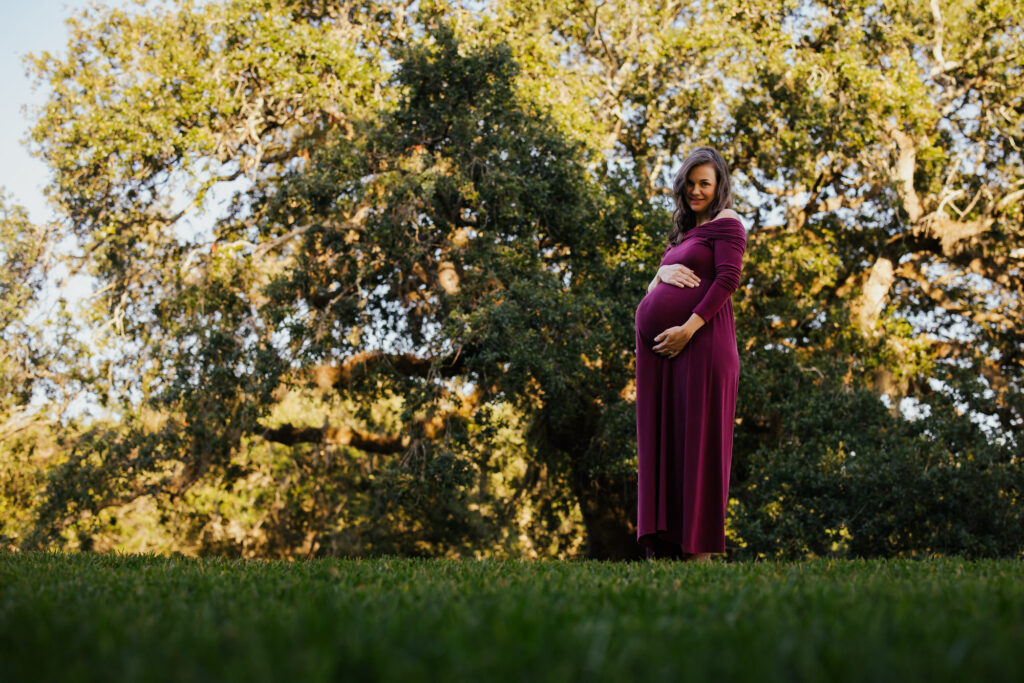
142	618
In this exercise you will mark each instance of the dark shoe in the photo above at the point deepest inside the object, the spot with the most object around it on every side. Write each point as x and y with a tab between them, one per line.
665	550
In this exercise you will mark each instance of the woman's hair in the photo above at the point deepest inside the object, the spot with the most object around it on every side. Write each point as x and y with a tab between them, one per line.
683	220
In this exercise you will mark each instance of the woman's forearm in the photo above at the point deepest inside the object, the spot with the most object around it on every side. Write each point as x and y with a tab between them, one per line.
694	323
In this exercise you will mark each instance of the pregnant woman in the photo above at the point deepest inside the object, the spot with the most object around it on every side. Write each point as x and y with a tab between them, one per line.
687	369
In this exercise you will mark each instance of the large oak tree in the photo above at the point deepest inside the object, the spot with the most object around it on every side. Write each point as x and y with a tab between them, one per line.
460	207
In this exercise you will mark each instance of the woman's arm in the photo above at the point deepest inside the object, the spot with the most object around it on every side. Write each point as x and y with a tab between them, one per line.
728	254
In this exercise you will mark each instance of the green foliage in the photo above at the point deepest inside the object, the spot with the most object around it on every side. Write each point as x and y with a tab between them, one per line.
41	368
33	331
442	213
843	477
273	500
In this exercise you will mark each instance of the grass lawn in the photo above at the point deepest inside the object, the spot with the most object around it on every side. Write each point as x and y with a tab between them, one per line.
133	618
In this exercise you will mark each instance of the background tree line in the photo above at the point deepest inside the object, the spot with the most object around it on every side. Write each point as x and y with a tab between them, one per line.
409	330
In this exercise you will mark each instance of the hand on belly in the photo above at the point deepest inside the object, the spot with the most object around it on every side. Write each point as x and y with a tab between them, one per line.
667	306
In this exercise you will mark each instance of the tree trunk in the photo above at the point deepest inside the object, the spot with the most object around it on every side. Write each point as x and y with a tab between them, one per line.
609	514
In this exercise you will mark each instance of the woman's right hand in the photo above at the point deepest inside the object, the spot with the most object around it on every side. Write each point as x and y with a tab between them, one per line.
679	275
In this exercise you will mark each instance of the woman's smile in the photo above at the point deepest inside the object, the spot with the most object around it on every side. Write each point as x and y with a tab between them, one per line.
700	186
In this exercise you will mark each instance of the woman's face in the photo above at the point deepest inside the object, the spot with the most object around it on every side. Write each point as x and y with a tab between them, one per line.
700	187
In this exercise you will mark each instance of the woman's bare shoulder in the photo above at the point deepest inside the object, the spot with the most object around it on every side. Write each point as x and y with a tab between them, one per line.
727	213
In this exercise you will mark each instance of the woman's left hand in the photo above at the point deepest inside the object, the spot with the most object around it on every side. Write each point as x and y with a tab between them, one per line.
673	340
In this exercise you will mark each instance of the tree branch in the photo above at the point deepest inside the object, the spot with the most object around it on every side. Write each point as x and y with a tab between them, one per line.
291	435
407	364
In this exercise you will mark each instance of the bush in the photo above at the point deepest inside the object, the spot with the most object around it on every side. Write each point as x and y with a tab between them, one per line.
842	476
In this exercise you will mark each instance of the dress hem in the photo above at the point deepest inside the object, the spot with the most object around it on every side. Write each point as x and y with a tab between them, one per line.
658	539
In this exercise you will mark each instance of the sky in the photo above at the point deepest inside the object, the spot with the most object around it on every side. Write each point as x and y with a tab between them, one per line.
28	27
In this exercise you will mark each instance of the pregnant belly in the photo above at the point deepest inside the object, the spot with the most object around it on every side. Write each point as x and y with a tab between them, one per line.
666	306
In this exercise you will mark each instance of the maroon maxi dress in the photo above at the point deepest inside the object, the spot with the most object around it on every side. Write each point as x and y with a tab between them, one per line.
685	406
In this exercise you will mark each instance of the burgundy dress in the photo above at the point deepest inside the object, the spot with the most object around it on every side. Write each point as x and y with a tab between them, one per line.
685	406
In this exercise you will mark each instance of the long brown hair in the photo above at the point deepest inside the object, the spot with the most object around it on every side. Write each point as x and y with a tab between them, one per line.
684	220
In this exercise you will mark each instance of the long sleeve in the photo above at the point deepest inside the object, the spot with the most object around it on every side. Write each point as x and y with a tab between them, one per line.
728	243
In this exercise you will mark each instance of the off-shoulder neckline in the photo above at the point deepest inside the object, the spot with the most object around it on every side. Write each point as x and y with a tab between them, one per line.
692	231
720	218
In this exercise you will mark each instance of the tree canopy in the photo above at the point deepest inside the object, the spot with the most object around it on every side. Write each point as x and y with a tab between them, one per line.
409	326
